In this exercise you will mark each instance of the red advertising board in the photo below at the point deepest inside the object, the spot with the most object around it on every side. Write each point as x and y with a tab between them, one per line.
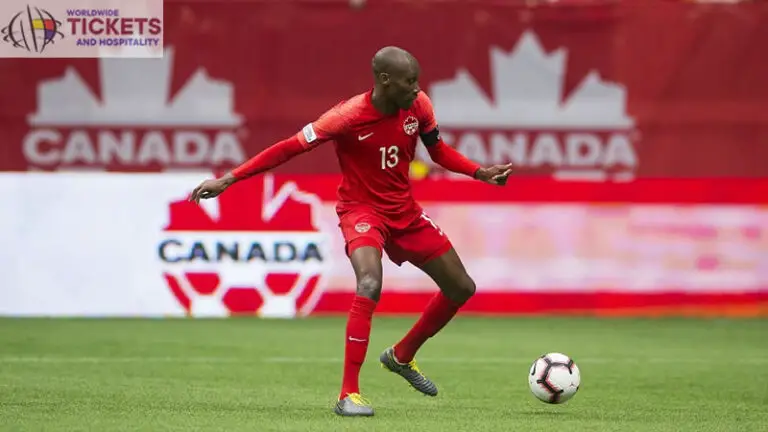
604	90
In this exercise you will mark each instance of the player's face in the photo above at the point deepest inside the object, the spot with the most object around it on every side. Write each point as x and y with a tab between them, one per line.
404	87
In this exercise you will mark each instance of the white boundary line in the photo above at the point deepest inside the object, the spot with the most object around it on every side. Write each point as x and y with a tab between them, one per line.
338	360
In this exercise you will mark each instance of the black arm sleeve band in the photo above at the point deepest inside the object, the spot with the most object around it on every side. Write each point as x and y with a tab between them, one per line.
430	138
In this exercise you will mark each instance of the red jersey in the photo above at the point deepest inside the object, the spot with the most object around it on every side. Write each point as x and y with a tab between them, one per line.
374	152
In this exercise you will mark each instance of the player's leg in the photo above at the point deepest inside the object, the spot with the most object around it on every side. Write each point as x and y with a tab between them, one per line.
456	287
366	262
427	247
364	245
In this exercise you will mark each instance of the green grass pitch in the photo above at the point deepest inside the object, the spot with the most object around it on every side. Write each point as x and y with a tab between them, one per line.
274	375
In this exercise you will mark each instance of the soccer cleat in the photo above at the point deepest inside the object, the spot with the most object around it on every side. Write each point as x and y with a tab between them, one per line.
354	405
409	371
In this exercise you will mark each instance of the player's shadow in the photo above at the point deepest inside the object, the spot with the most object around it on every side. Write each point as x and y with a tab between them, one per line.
547	414
543	413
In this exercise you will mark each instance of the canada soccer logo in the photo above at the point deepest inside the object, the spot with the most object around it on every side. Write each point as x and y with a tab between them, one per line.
411	125
261	253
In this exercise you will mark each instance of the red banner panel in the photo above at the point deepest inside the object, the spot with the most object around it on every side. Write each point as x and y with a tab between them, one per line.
606	90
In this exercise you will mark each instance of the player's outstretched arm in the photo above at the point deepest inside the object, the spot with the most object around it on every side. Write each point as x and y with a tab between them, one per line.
450	159
269	158
330	125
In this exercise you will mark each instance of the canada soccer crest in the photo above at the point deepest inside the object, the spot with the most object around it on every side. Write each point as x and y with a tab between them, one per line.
411	125
261	253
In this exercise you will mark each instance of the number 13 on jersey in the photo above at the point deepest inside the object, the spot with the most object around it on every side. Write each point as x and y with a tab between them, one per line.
389	158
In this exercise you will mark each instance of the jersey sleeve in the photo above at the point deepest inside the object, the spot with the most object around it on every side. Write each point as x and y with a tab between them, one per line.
331	125
425	114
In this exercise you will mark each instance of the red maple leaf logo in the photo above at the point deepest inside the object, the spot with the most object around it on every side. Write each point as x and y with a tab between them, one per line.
260	252
246	206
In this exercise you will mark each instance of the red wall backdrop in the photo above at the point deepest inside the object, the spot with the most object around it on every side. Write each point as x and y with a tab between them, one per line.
694	74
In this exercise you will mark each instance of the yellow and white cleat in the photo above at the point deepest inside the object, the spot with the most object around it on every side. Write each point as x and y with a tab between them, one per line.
354	405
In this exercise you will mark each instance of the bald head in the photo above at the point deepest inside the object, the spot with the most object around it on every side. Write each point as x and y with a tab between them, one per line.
396	75
394	61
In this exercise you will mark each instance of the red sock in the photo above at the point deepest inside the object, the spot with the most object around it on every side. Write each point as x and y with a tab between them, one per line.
439	311
356	343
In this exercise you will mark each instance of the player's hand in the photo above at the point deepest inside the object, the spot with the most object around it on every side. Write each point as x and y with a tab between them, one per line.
495	175
211	188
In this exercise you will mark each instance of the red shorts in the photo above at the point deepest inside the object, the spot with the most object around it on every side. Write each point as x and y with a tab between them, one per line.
417	243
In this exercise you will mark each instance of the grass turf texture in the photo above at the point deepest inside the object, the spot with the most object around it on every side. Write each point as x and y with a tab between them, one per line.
271	375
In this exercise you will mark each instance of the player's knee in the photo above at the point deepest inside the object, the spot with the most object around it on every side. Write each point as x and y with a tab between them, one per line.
369	285
462	290
468	288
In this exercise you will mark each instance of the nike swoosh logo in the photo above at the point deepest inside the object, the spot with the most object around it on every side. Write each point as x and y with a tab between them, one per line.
356	339
362	137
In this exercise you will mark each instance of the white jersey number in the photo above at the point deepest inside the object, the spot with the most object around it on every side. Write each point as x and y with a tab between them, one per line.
389	157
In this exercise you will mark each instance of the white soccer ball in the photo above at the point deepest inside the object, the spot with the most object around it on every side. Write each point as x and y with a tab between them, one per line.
554	378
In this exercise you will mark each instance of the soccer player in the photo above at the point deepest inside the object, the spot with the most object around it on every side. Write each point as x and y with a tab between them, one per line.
375	135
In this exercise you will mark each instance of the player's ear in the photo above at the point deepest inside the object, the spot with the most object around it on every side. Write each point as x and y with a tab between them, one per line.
384	78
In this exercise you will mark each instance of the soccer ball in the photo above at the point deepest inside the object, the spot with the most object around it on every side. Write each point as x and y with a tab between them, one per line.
554	378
